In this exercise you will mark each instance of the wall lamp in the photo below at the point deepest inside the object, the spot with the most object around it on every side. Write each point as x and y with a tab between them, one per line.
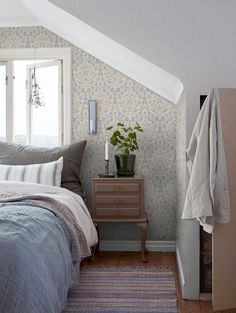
92	115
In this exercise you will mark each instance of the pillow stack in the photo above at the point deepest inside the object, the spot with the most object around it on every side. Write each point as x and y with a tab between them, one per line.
16	154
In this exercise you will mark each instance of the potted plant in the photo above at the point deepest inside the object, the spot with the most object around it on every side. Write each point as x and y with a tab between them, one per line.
125	139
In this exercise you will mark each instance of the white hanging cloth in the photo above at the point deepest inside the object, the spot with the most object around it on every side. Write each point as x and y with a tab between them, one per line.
207	197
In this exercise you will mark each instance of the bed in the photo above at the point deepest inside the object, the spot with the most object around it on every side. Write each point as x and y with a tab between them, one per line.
45	232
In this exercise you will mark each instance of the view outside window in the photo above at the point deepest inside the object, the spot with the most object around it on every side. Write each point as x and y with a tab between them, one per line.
45	119
37	126
2	102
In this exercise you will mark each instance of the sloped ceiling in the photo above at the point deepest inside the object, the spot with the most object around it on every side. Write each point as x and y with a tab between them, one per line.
66	25
167	33
192	40
14	13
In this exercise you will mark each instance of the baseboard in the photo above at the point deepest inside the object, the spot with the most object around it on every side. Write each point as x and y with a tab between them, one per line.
180	268
134	245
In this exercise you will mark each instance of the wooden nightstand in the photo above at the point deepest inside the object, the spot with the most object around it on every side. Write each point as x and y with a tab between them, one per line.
120	200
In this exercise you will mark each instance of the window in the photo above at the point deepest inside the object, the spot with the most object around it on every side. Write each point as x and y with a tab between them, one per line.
44	123
20	121
39	126
3	101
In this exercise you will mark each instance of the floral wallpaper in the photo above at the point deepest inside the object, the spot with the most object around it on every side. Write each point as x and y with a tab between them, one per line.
119	98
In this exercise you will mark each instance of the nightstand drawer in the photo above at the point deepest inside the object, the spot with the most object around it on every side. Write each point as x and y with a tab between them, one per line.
117	199
117	187
117	212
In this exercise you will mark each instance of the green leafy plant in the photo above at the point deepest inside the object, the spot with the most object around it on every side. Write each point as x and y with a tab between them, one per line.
125	138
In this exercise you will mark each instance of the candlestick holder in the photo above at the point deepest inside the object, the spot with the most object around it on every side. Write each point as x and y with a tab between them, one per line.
107	173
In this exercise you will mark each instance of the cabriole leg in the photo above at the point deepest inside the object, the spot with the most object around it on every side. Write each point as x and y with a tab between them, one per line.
144	252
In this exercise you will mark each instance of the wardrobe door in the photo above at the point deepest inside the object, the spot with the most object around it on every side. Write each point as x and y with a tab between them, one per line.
224	237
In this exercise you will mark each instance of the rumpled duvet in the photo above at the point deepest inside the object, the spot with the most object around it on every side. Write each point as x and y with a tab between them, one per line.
44	233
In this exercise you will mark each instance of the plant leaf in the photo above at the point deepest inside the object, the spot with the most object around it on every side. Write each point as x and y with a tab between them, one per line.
120	124
109	127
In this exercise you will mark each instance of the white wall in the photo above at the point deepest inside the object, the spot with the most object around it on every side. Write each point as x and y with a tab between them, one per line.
187	232
192	39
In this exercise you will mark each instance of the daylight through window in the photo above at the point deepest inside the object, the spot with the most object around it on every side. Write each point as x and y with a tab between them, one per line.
28	78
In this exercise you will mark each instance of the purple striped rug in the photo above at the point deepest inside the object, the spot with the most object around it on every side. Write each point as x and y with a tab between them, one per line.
123	290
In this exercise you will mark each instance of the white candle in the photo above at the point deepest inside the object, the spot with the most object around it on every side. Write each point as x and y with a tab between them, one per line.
106	151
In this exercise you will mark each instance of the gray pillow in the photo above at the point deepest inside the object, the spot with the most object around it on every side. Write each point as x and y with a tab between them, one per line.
16	154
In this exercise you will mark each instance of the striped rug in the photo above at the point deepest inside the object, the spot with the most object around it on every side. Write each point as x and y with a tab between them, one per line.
123	290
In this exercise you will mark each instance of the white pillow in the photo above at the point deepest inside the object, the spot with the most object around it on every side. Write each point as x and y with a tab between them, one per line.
45	173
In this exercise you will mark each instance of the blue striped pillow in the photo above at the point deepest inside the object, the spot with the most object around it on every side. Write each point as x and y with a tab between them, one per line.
46	173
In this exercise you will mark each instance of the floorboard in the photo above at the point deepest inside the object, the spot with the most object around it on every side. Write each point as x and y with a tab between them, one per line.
155	259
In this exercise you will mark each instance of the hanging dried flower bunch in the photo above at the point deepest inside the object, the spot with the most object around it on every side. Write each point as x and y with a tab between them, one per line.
35	98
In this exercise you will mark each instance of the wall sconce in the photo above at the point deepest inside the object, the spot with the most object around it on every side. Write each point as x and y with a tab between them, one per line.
92	114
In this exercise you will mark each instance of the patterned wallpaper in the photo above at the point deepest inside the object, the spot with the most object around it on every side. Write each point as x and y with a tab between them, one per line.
119	99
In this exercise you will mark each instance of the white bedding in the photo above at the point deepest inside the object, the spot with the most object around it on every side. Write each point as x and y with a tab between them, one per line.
72	200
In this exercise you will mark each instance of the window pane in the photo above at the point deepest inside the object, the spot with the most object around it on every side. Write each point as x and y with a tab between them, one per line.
45	119
19	101
2	102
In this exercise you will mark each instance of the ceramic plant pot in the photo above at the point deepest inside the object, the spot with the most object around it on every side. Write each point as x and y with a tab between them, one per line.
125	164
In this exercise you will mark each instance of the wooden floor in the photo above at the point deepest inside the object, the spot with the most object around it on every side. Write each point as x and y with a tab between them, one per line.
155	259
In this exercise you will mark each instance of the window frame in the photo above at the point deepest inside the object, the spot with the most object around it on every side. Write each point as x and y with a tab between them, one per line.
64	54
4	63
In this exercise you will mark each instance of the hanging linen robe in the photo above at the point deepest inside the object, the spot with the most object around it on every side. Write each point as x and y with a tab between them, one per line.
207	197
